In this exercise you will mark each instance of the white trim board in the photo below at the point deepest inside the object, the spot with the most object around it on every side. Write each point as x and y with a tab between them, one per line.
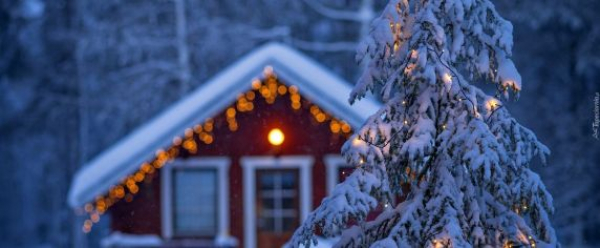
221	164
314	82
250	165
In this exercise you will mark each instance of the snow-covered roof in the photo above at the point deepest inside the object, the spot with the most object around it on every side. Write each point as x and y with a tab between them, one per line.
314	82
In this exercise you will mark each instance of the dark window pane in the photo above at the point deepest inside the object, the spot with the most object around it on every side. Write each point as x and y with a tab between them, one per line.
267	181
267	203
289	224
288	180
266	224
288	203
344	172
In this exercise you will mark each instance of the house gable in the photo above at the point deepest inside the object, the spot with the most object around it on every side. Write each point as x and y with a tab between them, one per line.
316	83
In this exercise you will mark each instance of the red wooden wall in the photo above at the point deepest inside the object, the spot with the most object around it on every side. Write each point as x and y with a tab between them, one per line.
303	136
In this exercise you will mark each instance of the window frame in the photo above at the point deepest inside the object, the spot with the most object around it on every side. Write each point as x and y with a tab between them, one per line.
221	166
278	213
250	164
333	163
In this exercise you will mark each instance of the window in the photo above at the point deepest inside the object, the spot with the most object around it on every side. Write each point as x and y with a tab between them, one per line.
277	200
269	185
344	172
194	202
195	197
337	171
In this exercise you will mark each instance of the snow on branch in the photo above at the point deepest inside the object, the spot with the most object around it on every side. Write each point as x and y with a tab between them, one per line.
463	156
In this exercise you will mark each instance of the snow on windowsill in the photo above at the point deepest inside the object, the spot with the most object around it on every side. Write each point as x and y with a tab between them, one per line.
118	239
121	240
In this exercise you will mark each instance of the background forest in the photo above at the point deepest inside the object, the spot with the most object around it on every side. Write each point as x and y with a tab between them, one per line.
77	75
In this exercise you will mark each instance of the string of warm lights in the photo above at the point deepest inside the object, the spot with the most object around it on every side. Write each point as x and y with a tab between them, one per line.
269	89
522	242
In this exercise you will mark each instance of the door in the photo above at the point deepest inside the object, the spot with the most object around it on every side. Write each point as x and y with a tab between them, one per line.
277	206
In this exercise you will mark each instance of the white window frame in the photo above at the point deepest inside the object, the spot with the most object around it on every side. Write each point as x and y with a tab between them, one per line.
333	163
250	164
221	164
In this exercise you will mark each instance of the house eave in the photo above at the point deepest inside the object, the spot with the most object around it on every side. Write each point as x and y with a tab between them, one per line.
315	83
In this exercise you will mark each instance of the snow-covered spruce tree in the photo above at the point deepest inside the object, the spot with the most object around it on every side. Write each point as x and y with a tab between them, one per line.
464	157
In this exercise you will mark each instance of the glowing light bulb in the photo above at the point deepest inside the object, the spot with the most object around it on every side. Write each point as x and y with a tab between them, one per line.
268	71
492	103
447	78
256	84
276	137
88	208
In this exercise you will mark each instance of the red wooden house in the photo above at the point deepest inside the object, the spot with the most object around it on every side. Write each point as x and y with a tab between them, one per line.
209	171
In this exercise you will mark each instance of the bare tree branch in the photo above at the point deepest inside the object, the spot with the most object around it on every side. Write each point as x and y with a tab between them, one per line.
334	13
342	46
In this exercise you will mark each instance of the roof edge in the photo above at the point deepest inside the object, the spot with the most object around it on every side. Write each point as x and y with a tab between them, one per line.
124	157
